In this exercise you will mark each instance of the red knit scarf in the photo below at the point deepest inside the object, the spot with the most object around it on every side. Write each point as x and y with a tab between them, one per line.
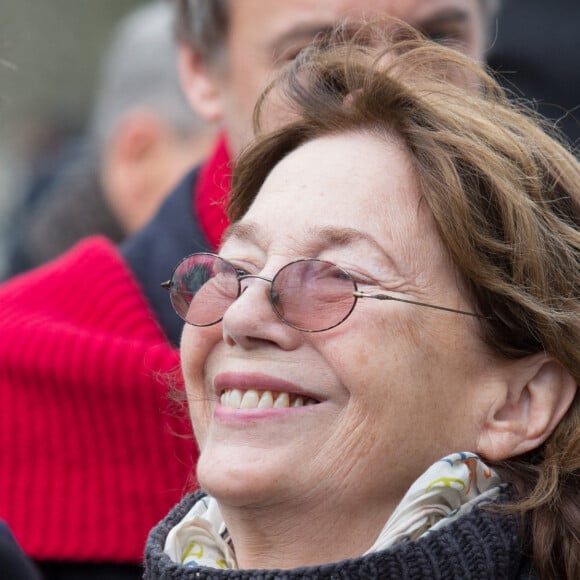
211	195
89	457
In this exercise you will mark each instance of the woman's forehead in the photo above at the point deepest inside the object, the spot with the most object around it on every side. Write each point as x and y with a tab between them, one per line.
354	191
354	179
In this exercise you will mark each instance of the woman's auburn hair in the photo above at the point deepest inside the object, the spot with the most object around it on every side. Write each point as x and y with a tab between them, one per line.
505	196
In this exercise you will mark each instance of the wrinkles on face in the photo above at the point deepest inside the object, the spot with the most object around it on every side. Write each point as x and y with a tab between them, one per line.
385	380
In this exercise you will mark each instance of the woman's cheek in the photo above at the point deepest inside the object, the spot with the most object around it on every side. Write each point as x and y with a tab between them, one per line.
196	347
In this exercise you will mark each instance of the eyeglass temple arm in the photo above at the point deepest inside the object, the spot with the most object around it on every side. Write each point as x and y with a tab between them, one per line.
360	294
167	284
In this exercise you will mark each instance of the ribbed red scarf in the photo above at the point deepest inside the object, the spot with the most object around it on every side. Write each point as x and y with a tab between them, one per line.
211	196
89	457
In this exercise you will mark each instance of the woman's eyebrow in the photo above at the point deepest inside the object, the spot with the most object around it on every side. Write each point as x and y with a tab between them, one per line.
313	239
313	236
244	232
341	236
338	236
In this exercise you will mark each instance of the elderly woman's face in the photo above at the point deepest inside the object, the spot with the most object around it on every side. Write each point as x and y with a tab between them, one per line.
372	402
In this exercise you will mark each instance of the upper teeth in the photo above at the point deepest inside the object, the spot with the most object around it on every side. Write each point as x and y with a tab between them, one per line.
254	399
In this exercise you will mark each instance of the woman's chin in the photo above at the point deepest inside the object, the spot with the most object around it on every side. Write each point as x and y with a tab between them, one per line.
239	477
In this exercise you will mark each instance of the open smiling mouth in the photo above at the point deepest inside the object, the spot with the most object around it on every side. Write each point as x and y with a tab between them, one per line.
254	399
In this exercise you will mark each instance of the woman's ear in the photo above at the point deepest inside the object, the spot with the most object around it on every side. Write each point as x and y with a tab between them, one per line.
200	84
534	398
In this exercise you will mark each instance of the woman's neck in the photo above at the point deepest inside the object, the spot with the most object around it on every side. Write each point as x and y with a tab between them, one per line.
289	535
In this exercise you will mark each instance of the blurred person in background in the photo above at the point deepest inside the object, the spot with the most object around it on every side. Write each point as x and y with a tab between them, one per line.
86	431
537	54
142	138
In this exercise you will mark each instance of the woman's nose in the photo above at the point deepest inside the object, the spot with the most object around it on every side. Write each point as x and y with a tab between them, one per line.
251	322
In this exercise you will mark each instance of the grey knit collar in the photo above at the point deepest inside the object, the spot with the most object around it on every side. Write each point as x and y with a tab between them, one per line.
482	545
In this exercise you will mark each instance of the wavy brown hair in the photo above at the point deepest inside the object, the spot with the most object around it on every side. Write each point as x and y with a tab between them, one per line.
505	196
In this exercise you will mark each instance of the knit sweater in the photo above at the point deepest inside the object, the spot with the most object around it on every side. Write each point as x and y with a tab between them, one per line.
88	453
481	545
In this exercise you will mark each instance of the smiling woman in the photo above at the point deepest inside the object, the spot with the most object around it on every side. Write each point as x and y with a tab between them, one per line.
411	435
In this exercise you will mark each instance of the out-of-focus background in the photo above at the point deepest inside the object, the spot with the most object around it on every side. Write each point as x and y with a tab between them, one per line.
51	52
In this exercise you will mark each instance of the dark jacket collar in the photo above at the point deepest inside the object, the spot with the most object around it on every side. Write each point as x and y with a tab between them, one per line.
154	251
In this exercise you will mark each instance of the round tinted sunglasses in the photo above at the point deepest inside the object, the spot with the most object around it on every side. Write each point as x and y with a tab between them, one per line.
310	295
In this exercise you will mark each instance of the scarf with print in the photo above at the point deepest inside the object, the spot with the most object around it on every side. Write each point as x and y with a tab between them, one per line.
450	488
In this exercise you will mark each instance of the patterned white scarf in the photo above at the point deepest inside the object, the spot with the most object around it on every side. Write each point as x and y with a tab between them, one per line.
451	487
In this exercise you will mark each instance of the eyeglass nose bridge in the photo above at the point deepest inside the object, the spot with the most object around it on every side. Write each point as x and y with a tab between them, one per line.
246	276
242	277
272	296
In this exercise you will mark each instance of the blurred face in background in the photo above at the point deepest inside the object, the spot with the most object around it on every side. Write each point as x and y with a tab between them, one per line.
264	35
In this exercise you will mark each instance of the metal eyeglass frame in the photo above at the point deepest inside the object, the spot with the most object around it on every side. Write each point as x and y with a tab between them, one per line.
356	293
